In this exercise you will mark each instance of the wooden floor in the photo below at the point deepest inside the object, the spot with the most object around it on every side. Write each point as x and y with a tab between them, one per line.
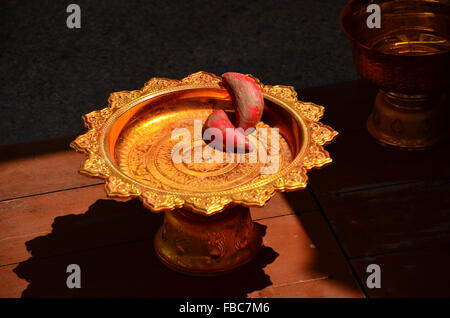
371	206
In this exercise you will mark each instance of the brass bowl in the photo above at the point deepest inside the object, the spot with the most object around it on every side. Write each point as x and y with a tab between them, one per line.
408	57
129	144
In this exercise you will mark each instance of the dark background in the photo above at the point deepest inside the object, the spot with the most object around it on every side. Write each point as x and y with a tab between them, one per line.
51	75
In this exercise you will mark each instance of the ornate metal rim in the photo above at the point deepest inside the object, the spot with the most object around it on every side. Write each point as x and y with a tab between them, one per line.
117	184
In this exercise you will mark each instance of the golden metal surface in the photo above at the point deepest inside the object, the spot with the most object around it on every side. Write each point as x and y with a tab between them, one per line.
205	245
408	57
129	144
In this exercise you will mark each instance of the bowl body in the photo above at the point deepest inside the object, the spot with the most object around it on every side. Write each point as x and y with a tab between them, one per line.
408	57
410	52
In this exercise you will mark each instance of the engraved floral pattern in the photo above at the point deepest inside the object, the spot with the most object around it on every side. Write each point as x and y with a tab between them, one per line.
310	110
322	134
95	166
118	187
316	157
208	204
287	93
159	202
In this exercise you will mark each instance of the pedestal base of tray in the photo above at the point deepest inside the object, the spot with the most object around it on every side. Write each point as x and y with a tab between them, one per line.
207	245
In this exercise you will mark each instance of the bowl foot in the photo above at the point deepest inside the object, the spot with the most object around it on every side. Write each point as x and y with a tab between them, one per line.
207	245
410	122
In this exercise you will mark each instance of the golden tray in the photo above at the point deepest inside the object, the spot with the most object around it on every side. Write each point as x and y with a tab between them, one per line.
129	144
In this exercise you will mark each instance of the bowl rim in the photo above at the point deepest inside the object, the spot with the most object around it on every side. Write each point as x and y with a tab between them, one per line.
112	120
346	9
118	184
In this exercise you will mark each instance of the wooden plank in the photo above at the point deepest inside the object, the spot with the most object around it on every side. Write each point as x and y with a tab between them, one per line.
10	285
391	218
285	203
347	105
40	167
322	288
24	223
306	247
359	163
418	273
87	210
132	269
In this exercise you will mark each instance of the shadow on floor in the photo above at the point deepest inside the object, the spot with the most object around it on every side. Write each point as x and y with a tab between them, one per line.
113	245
